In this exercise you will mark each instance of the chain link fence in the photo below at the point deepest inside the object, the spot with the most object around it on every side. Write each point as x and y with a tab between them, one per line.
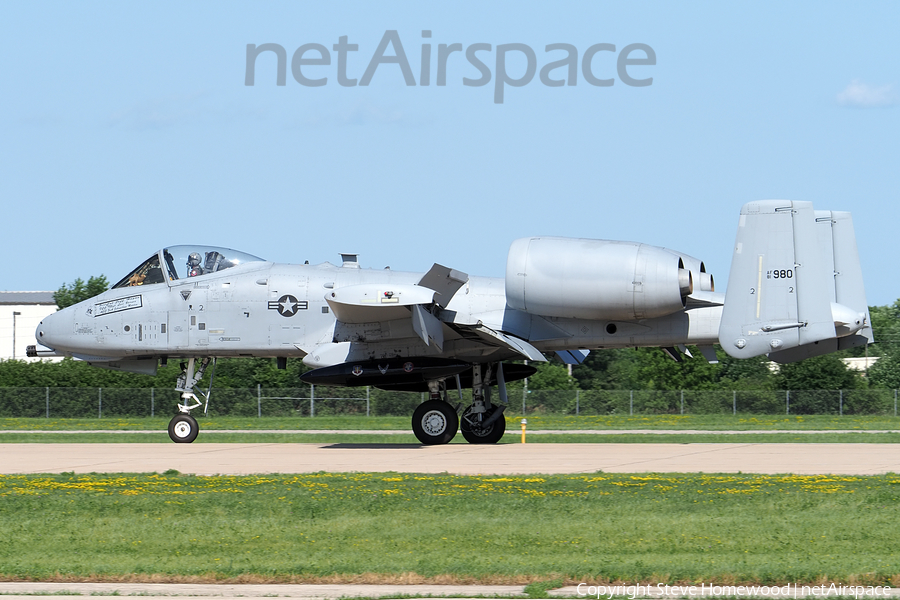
766	402
86	402
312	401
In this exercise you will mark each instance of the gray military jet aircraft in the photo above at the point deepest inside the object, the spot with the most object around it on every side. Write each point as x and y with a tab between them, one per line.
795	290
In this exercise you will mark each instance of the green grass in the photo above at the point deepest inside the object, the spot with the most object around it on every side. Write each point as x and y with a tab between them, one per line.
539	589
707	422
598	527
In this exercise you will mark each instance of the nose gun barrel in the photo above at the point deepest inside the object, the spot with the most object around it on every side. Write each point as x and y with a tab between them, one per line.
35	351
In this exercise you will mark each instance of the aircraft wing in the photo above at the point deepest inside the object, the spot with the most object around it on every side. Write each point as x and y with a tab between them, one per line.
380	303
376	302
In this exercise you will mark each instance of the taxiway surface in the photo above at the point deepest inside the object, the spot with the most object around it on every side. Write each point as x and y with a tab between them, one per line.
463	459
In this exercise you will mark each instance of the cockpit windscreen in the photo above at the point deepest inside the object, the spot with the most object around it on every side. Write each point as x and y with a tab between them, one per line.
181	262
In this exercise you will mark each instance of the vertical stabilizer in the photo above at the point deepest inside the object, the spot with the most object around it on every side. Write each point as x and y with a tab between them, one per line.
837	243
795	288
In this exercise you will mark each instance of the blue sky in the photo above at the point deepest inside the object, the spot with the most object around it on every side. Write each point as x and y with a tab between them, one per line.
127	127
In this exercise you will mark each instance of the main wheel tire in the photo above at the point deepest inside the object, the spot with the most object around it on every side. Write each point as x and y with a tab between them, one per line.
475	434
183	429
435	422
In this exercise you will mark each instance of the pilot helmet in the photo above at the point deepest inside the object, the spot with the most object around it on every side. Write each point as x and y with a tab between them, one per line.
193	260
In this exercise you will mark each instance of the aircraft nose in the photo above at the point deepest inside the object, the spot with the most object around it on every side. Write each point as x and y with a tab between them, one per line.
51	331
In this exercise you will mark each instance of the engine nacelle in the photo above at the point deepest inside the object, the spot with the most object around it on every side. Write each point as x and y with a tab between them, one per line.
595	279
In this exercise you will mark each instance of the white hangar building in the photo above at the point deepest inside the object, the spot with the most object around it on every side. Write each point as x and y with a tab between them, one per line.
20	313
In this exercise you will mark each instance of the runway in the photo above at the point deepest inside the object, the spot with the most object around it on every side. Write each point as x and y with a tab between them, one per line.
462	459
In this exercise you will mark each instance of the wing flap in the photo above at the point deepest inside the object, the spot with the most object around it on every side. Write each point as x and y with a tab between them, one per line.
444	281
498	338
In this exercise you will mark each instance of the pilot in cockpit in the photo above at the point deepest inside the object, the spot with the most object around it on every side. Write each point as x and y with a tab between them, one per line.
193	265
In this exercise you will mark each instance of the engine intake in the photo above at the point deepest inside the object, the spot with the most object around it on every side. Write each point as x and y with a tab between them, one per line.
595	279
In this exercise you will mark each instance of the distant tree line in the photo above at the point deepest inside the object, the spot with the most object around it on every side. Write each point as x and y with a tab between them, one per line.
75	292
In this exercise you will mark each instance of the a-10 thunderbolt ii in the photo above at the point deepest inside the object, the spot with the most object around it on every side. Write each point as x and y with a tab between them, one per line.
795	290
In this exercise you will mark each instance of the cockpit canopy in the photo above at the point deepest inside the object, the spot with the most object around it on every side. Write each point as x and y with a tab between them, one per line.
181	262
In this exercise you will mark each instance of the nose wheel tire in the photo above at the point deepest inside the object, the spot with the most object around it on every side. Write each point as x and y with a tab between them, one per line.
435	422
476	434
183	429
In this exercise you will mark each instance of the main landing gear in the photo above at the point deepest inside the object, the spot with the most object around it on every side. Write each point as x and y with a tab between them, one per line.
436	421
183	428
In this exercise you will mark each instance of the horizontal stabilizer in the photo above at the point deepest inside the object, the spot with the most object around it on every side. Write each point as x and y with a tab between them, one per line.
818	348
701	299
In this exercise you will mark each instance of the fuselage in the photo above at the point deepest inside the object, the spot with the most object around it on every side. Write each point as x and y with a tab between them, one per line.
259	308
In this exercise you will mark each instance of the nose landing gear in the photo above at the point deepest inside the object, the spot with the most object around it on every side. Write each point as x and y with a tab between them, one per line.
183	428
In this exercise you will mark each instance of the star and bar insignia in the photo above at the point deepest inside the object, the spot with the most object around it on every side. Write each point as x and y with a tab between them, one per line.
287	305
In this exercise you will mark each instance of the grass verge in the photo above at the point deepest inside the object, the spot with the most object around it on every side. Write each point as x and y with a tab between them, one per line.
671	528
535	422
